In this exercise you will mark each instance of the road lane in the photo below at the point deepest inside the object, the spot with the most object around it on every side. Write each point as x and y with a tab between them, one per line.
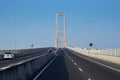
95	71
62	68
17	61
4	63
70	66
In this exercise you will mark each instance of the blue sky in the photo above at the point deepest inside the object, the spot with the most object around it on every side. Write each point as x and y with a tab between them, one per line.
96	21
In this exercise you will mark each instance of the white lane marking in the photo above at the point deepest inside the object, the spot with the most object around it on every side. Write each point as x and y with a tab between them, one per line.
69	57
72	60
75	64
99	63
89	79
44	68
80	69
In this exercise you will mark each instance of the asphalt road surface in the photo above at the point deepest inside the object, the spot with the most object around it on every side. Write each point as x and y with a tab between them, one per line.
69	66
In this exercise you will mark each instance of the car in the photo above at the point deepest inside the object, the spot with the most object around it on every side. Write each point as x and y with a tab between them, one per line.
49	50
8	55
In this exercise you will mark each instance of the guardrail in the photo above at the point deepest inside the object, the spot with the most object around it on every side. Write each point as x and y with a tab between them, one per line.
109	52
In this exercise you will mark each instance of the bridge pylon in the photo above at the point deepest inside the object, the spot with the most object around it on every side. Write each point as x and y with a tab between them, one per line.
61	32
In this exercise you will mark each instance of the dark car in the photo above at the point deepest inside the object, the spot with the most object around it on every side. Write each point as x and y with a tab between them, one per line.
49	50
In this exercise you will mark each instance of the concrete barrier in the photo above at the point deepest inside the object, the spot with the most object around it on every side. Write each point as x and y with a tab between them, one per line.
21	52
26	70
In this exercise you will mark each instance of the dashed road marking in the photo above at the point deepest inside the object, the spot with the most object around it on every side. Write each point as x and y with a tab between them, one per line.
72	60
75	63
98	63
89	79
80	69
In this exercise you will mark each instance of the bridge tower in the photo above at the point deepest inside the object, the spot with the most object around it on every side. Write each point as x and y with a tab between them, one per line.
61	31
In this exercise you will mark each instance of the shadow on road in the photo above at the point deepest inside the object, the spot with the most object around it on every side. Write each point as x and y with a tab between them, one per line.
57	70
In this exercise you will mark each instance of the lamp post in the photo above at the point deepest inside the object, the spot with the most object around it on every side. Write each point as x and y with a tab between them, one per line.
15	36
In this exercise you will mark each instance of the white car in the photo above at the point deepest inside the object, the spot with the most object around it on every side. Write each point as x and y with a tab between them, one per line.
8	55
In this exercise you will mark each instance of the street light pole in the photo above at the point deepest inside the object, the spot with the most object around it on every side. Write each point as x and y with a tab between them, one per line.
15	36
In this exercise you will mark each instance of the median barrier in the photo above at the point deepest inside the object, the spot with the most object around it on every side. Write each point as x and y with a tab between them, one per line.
25	70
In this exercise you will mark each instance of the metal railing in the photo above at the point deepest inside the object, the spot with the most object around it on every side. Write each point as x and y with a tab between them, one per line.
109	52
